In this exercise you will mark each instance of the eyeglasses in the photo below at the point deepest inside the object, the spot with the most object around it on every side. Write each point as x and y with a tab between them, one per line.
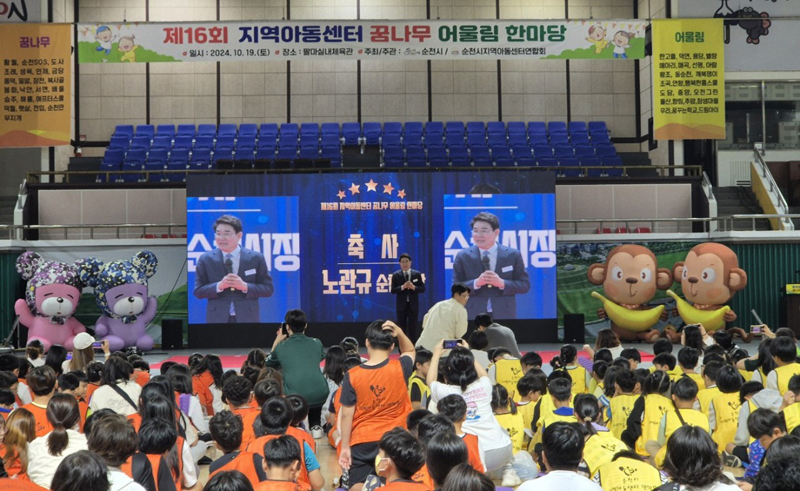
224	235
482	231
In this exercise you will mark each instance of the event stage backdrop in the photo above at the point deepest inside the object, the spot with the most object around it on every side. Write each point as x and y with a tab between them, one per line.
332	241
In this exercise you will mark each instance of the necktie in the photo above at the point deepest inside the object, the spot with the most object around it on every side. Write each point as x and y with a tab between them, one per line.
229	267
487	266
408	278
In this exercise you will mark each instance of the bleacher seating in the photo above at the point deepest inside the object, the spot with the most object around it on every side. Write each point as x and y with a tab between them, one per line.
566	147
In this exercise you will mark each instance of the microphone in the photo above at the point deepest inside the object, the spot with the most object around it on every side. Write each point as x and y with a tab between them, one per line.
229	268
486	265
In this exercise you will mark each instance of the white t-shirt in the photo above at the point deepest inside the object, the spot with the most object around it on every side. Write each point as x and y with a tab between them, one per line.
42	466
217	403
107	397
480	418
119	481
560	480
37	362
717	486
24	393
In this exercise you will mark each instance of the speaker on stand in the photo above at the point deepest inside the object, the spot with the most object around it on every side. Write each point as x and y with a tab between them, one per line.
172	334
574	329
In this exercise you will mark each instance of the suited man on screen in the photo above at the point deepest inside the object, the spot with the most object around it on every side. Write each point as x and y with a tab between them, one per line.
231	277
407	284
495	273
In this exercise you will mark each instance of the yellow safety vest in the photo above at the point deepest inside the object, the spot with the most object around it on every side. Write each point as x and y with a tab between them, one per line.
784	374
526	409
745	374
726	416
675	374
513	423
546	407
600	449
626	474
424	390
507	373
699	380
621	408
655	407
672	423
578	374
552	417
705	396
792	415
600	390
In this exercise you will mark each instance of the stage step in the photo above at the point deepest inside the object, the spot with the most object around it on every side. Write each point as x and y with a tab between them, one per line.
740	201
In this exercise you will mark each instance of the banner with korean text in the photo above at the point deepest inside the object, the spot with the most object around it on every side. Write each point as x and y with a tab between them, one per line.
688	79
36	85
367	39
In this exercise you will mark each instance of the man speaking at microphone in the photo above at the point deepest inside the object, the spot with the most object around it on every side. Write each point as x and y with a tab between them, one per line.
231	277
495	273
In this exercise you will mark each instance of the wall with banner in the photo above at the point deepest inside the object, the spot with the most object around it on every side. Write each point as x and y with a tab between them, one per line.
376	89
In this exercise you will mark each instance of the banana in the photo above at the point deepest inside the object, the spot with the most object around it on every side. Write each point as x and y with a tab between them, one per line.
711	319
632	320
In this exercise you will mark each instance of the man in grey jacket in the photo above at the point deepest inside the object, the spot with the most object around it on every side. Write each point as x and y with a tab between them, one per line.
499	336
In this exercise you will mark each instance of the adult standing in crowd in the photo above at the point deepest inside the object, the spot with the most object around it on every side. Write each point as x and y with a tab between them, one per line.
445	320
407	284
499	336
299	357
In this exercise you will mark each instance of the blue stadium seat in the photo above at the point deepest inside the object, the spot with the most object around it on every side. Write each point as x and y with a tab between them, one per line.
577	127
454	140
392	128
166	130
248	130
559	139
248	140
518	139
497	128
612	162
555	127
592	162
244	150
226	130
179	154
351	132
542	151
604	151
569	167
309	140
333	154
437	156
176	165
539	139
416	157
522	151
147	130
474	139
183	142
330	140
287	153
157	155
459	157
598	127
413	128
308	153
199	165
537	128
124	130
579	139
498	140
481	157
201	156
287	140
136	155
156	170
131	167
119	143
108	167
563	151
162	143
223	153
600	138
525	160
516	128
391	140
372	133
476	128
113	156
268	131
393	157
547	162
330	129
140	143
502	157
455	128
289	129
224	141
207	130
412	140
583	151
309	129
186	130
266	153
433	130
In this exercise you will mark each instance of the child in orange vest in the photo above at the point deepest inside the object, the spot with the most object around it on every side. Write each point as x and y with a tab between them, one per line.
226	430
454	408
400	456
283	461
42	382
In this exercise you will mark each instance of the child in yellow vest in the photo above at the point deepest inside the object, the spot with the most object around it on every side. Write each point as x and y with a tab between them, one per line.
791	412
662	345
621	405
600	445
599	370
530	360
704	396
530	388
560	390
505	371
752	396
784	351
627	472
648	412
505	411
633	356
417	388
666	363
568	361
684	396
724	408
687	362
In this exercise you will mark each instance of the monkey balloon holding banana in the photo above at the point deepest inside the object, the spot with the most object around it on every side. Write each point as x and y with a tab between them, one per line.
630	278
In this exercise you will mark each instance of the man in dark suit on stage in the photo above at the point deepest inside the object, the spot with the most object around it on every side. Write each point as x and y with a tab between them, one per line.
231	277
495	273
407	284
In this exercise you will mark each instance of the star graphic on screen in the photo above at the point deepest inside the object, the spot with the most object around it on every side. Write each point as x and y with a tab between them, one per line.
354	189
371	185
401	193
387	189
341	194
